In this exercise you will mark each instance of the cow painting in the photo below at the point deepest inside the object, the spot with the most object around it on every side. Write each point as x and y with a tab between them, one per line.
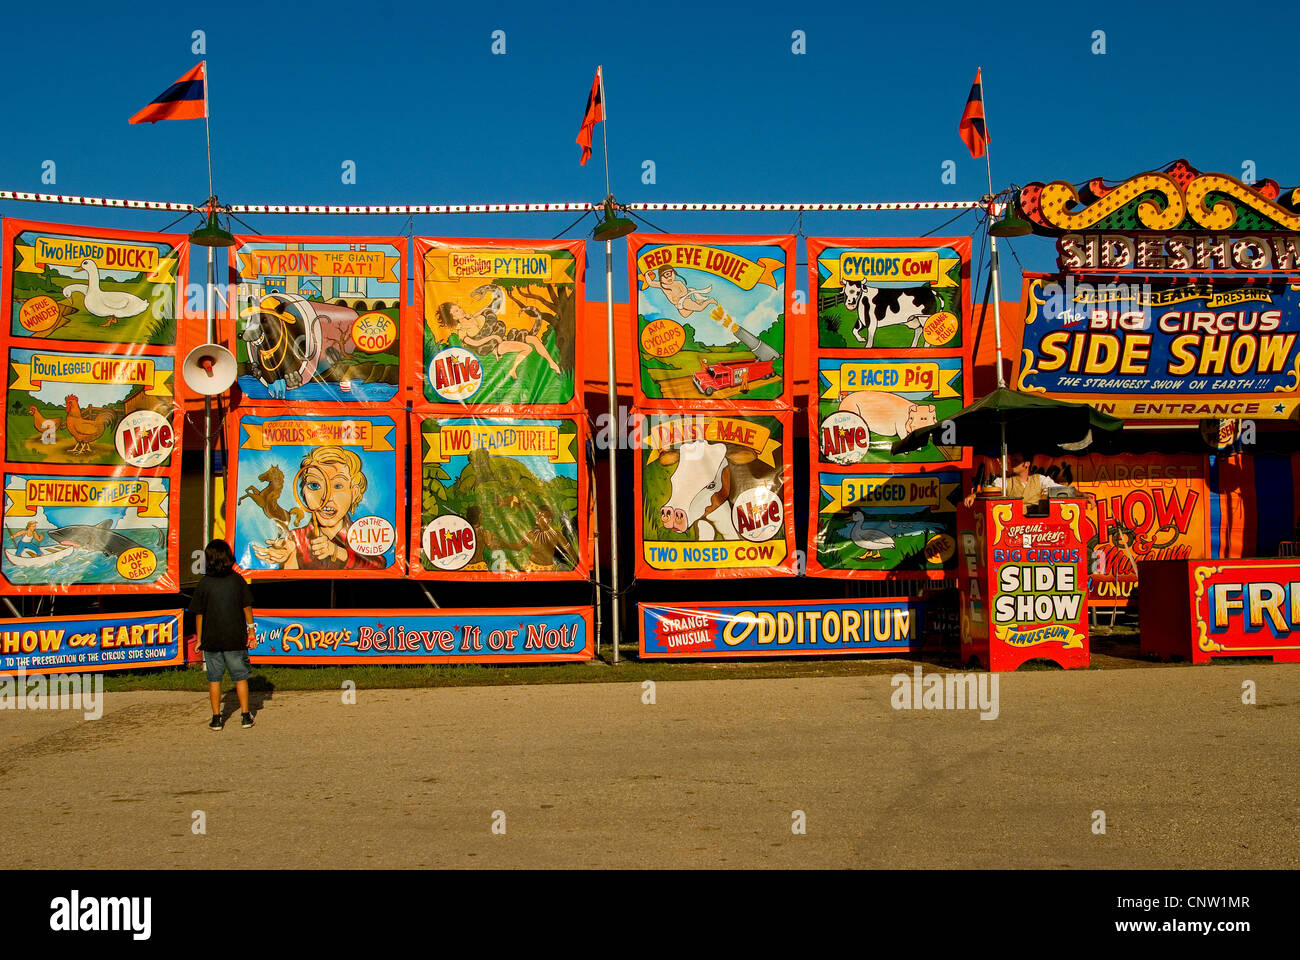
878	307
702	490
292	340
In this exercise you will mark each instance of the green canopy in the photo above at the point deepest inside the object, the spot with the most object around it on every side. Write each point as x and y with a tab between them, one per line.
1008	419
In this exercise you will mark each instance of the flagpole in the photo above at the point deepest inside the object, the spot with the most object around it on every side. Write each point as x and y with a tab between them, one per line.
207	130
604	124
994	265
210	317
614	432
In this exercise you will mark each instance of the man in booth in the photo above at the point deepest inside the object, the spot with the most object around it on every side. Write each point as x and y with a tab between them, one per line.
1032	488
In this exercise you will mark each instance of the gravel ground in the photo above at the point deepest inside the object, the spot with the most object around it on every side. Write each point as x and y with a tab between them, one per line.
711	774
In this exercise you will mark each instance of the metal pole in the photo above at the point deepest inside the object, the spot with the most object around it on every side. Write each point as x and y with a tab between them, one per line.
593	519
997	287
207	403
615	440
997	325
604	123
208	132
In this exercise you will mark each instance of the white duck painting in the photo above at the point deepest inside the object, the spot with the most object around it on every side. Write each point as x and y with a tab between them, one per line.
115	305
876	535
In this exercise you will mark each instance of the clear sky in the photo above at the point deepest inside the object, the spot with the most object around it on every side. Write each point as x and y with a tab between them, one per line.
711	92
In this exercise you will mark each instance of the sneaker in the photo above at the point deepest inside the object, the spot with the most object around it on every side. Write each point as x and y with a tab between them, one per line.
217	723
245	720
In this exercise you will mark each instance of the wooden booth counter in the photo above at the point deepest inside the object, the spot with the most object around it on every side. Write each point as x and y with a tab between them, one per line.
1024	583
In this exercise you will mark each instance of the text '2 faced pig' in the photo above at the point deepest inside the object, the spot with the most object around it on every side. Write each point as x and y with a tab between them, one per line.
888	414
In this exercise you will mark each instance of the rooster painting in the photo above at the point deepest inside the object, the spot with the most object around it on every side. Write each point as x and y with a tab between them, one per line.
85	426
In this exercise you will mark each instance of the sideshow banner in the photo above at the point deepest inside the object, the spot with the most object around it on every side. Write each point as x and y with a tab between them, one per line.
1181	350
500	499
90	644
498	324
501	635
815	628
82	409
92	285
866	404
1038	582
84	534
315	494
319	318
711	320
716	495
885	525
890	294
1149	507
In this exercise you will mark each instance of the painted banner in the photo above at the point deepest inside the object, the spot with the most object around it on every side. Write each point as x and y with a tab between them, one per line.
318	319
92	285
89	534
83	409
317	494
499	498
499	635
813	628
1182	350
711	320
716	494
864	405
893	526
890	294
91	643
498	322
1199	610
1149	507
91	427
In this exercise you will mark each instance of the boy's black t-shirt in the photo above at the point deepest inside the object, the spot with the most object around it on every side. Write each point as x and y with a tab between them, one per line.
221	601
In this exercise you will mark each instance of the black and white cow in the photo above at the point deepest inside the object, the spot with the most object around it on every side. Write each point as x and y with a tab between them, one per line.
878	307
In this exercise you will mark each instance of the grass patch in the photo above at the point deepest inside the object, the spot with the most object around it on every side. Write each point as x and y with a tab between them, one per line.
266	678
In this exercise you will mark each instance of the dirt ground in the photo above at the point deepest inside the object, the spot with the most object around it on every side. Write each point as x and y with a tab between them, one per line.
711	774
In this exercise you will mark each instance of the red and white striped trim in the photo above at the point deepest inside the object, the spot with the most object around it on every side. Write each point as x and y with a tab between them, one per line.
423	209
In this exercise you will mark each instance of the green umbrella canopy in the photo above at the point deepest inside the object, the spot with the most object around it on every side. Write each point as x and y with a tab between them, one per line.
1033	423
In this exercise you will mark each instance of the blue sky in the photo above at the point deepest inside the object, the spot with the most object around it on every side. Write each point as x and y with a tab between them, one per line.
710	92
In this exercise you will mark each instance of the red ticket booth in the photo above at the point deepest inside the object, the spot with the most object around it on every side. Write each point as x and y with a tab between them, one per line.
1201	609
1024	583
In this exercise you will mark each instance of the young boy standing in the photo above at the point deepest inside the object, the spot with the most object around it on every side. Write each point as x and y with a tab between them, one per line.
223	609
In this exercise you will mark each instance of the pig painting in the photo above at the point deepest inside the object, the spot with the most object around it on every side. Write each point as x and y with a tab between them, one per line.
702	489
888	414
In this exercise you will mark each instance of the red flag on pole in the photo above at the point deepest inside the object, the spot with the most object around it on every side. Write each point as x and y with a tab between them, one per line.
186	99
595	113
974	133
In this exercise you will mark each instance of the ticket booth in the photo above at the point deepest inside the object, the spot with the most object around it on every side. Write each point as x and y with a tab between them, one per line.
1023	582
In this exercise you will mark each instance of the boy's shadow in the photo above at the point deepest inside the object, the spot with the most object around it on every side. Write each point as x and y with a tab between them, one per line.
260	690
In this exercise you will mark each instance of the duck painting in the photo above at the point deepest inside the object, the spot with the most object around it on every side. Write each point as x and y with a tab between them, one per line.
876	535
115	305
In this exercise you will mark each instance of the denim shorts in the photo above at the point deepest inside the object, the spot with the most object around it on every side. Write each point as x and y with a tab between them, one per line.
219	661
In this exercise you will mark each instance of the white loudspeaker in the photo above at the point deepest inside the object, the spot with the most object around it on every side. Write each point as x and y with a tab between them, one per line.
209	369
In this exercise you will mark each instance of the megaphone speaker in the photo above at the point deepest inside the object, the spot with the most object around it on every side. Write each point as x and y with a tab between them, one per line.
209	369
